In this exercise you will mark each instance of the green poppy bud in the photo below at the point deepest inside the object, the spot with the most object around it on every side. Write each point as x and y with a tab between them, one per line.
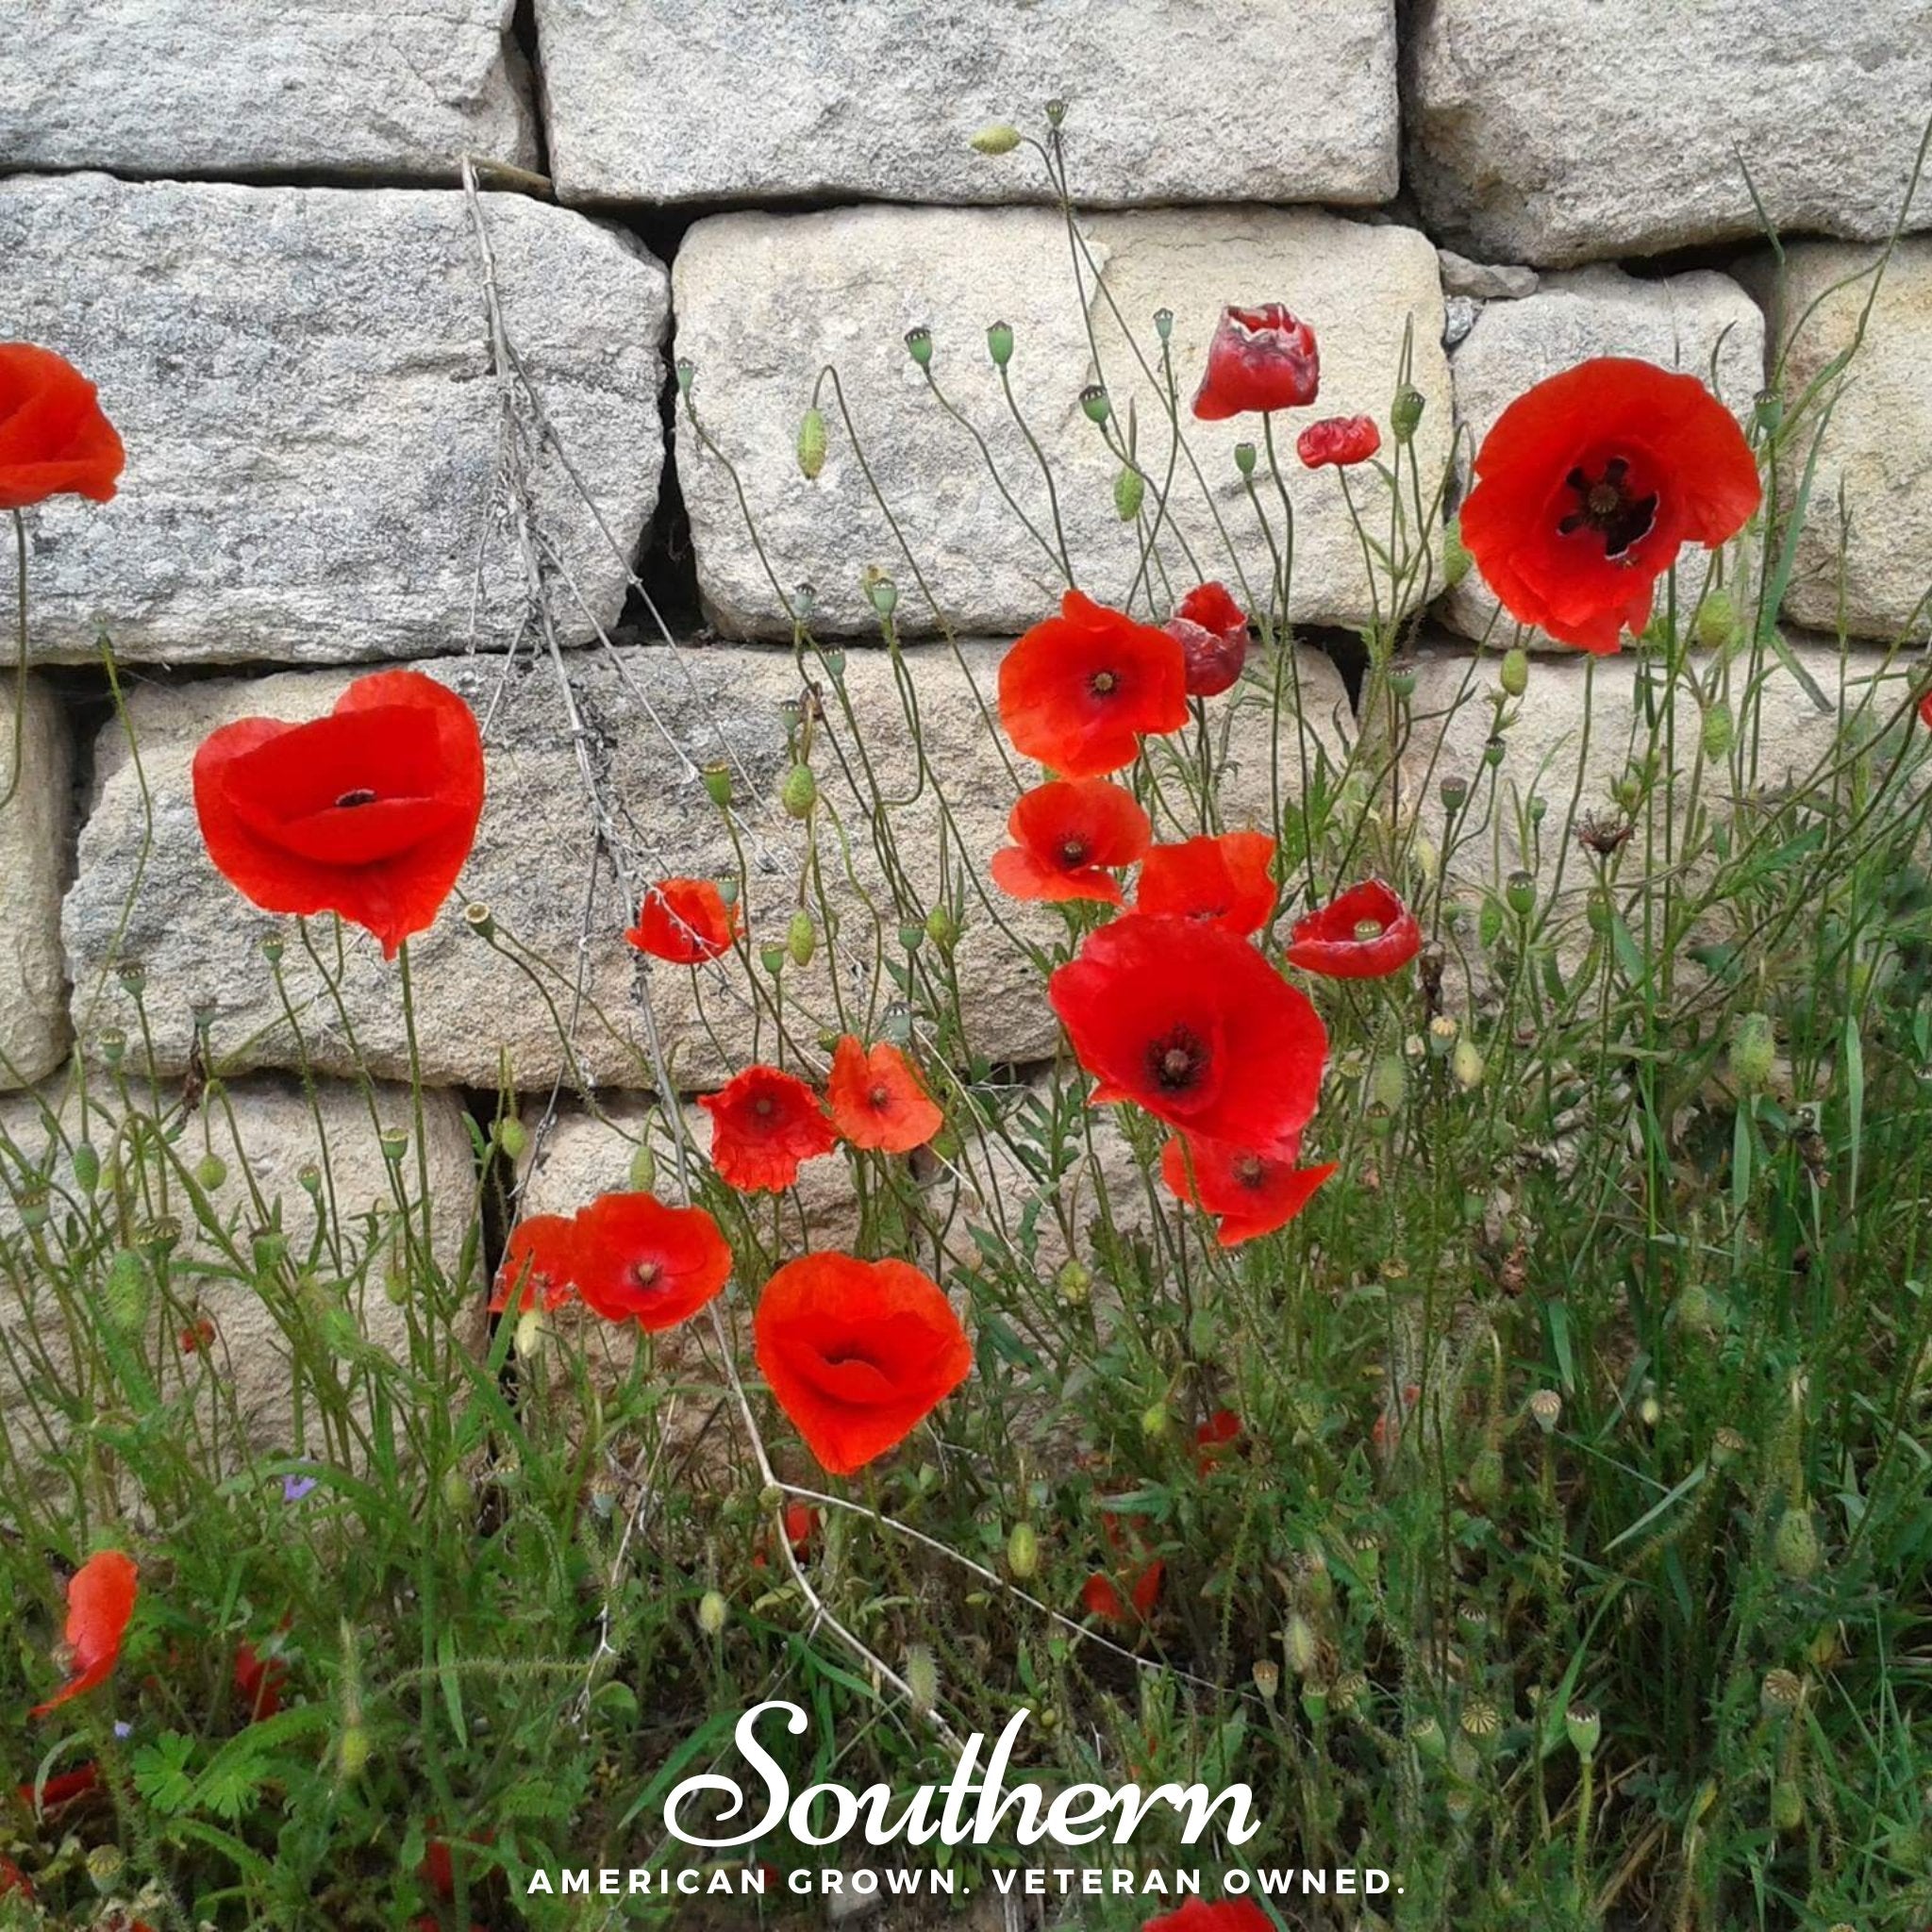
1720	731
1023	1551
1456	559
512	1137
919	346
1787	1804
942	928
1716	627
1486	1479
999	343
353	1750
1388	1081
1466	1063
1752	1050
800	792
1075	1284
995	138
1129	488
922	1678
1405	411
1300	1645
1794	1547
714	1613
459	1492
643	1168
127	1291
1156	1421
87	1166
1514	676
800	940
211	1171
811	443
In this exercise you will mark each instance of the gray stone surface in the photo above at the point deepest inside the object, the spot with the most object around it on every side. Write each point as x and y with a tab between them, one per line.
35	840
1877	446
653	716
1553	134
1700	322
302	379
681	100
265	1131
763	301
1485	281
179	86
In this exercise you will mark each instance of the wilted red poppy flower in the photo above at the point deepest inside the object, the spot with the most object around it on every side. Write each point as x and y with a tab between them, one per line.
764	1123
1223	1915
258	1681
367	813
1250	1194
1365	934
15	1883
1100	1595
199	1334
100	1600
1064	835
1213	631
61	1788
1259	359
1215	1439
1339	440
538	1264
1194	1025
801	1523
54	440
858	1353
1222	881
635	1259
1591	483
686	922
1078	691
877	1101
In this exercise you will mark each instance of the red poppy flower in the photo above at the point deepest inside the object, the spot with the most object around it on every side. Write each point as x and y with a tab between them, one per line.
1078	691
800	1531
100	1600
764	1125
1365	934
1222	881
1100	1595
1213	631
1194	1025
369	812
258	1681
438	1870
1259	359
635	1259
1925	711
1215	1439
858	1353
15	1883
1249	1194
199	1334
877	1101
685	921
54	440
1339	440
1064	835
1223	1915
61	1788
1591	483
538	1264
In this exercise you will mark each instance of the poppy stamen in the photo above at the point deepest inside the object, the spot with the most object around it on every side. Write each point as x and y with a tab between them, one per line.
1606	506
1250	1171
880	1098
362	795
645	1273
1074	851
1103	684
1178	1060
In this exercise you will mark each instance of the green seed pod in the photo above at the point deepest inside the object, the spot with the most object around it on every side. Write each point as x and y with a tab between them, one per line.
1787	1804
643	1168
714	1613
811	443
1156	1421
478	918
1494	748
995	138
1453	793
127	1291
1514	675
1267	1676
106	1865
353	1750
112	1042
687	373
211	1171
942	928
1466	1064
1075	1284
773	960
1405	411
512	1136
922	1678
1425	1734
1519	891
1584	1726
1388	1081
1300	1645
881	592
1129	488
1095	403
1780	1694
717	784
395	1142
800	792
1720	731
1753	1051
912	936
1457	561
1794	1547
1244	458
1023	1551
458	1493
999	343
919	346
1716	627
800	940
1315	1703
1486	1479
87	1166
1402	682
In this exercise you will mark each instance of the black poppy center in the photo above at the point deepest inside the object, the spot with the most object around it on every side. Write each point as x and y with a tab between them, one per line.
1609	505
1074	851
880	1099
1103	684
362	795
1249	1170
1177	1060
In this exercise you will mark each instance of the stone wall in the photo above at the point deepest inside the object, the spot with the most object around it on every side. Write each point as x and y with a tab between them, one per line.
368	410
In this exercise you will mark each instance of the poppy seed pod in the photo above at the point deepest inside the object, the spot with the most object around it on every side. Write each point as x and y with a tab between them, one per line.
1583	1724
919	346
1520	893
773	960
1425	1734
1244	458
687	374
811	443
1780	1694
1753	1051
999	343
1456	559
881	592
1267	1676
1546	1410
995	138
1514	675
1453	793
1095	403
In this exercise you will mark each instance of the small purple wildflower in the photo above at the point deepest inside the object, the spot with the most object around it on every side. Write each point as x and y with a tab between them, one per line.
295	1487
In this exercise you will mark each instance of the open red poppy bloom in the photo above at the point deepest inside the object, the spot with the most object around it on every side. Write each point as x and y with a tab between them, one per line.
1339	440
258	1681
1259	359
1077	691
1223	1915
1250	1194
538	1265
367	813
1194	1025
877	1101
53	439
1216	1439
1222	881
1589	486
15	1883
858	1353
1065	835
1128	1543
1213	631
636	1261
1365	934
100	1600
686	922
764	1125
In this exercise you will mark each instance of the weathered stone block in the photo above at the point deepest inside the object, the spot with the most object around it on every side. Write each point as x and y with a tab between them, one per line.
36	831
652	718
236	1379
1701	323
1871	568
763	301
349	86
666	101
304	380
1554	135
